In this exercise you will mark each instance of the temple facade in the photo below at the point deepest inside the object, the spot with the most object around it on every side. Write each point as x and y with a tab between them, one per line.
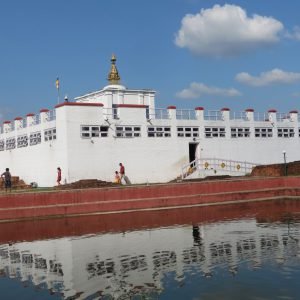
88	138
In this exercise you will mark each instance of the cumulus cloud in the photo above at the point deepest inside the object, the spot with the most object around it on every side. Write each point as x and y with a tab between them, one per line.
196	90
226	31
295	34
275	76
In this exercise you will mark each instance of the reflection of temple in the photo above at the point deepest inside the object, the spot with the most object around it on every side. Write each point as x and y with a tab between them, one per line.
121	264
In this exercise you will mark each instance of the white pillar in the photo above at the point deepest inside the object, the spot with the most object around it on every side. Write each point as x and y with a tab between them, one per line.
18	123
30	119
6	126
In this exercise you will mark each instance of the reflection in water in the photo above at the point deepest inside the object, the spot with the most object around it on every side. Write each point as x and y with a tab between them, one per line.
153	262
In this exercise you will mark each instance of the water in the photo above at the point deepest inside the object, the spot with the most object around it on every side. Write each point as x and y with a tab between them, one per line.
245	251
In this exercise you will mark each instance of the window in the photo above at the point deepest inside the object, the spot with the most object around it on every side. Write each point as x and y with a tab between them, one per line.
22	141
2	144
115	111
89	131
263	132
187	131
211	132
158	131
240	132
35	138
128	131
50	134
10	143
285	132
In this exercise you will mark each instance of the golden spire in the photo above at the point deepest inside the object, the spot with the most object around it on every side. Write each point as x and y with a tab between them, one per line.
113	76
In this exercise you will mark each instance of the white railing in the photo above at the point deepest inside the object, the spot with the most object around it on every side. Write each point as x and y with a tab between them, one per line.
213	115
258	116
24	123
160	113
36	119
217	166
238	115
51	115
185	114
282	117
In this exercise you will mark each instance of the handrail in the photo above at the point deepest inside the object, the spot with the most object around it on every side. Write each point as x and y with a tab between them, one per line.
232	167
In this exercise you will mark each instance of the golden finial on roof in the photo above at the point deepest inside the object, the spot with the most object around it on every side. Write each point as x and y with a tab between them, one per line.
113	76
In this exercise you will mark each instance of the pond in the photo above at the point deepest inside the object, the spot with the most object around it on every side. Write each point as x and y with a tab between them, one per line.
243	251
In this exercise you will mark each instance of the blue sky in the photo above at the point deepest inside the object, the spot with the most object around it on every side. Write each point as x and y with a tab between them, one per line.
236	54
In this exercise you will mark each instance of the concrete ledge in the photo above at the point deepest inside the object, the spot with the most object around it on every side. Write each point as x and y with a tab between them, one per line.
138	198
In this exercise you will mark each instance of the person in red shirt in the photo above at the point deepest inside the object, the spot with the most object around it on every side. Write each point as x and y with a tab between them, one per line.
122	171
58	176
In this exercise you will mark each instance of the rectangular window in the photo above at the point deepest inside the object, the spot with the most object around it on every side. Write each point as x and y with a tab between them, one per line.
10	143
187	131
159	131
263	132
285	132
93	131
210	132
2	145
22	141
128	131
237	132
35	138
50	134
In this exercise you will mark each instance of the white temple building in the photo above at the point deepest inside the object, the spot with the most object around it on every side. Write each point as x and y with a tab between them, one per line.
88	138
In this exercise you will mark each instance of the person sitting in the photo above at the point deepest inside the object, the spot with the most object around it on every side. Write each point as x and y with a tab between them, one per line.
117	178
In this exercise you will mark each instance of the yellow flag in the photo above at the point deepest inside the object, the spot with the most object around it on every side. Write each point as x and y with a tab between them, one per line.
57	83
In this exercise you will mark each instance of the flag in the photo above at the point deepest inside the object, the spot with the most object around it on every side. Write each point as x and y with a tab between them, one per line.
57	83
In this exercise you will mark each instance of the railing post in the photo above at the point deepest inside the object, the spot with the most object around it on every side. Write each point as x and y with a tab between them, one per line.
7	126
30	119
18	123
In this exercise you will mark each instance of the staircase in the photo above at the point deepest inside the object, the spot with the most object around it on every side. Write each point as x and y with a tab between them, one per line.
201	168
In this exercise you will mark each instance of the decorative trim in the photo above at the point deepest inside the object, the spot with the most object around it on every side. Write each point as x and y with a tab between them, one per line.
44	110
77	104
293	111
132	105
225	109
6	122
199	108
249	110
171	107
30	115
272	111
18	118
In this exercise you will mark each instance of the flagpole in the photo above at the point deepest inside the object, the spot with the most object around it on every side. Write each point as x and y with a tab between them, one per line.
58	100
57	87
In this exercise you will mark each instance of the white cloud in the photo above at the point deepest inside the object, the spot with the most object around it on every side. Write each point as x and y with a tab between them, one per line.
275	76
196	90
226	31
295	34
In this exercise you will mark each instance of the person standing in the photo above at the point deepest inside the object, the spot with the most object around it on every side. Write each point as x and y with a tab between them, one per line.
6	176
122	172
58	176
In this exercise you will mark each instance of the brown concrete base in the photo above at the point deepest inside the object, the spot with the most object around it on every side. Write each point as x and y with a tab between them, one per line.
142	198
